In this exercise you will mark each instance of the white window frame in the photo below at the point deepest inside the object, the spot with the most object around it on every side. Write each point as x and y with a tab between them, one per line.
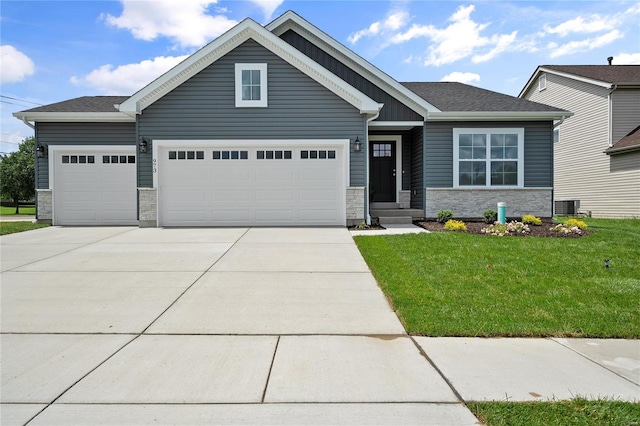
262	102
542	82
488	131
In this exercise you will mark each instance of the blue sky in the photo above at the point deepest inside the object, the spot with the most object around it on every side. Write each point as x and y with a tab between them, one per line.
57	50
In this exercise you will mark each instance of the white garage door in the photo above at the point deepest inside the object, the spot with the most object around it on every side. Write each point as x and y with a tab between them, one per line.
251	185
94	187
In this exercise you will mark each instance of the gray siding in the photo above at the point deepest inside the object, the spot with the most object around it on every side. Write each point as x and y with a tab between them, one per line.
79	134
417	168
393	109
625	105
538	152
204	108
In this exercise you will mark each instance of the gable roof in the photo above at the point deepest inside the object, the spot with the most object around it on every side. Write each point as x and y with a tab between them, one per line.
631	142
85	108
245	30
456	100
608	76
291	20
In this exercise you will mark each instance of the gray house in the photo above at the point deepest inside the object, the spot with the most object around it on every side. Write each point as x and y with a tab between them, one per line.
597	151
282	125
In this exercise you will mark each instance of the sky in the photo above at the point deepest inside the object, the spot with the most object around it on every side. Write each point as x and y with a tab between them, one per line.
57	50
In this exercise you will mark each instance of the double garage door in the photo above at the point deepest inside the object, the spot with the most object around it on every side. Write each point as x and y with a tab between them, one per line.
260	184
93	186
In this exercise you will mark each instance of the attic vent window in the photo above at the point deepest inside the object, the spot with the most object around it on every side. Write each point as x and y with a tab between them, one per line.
251	85
542	82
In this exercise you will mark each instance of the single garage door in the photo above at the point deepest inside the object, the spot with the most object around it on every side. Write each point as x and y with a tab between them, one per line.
94	187
251	185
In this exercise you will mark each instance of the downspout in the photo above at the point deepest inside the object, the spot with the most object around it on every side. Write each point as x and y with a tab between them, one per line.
555	126
24	120
613	89
367	214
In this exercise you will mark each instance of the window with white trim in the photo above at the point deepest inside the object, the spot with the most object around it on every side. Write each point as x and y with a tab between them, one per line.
488	157
251	85
542	82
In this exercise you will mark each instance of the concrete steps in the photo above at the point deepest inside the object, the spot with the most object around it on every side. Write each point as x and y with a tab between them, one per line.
395	220
396	216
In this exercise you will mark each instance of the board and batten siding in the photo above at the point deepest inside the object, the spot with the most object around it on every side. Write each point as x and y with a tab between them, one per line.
538	151
79	134
393	109
581	170
625	108
204	108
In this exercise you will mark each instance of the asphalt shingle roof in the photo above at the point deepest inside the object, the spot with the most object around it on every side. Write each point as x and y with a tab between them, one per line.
615	74
83	104
458	97
632	140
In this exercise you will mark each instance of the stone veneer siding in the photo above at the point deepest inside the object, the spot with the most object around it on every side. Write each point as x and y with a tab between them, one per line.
148	207
471	203
355	205
404	199
45	205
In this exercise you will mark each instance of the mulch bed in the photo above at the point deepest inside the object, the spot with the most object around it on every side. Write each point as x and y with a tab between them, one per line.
475	227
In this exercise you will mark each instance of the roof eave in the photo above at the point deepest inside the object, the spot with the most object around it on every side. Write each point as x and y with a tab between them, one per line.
624	150
77	117
498	115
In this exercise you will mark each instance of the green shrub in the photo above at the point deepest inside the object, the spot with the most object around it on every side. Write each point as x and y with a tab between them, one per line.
570	223
530	219
490	216
455	225
444	216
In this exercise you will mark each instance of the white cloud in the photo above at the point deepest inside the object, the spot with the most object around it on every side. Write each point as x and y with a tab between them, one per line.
461	77
573	47
593	24
458	40
626	59
393	22
14	65
268	6
186	22
127	79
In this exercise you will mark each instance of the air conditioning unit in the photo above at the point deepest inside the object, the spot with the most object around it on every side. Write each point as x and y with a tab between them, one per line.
567	207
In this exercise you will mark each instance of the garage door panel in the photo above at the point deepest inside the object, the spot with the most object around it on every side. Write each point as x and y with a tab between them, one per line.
260	189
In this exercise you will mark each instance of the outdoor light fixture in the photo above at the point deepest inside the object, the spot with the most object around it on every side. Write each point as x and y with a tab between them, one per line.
143	145
40	151
357	145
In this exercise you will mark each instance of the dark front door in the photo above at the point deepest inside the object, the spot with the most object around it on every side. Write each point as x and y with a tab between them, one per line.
383	171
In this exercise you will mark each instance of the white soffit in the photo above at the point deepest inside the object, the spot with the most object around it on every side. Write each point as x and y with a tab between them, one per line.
291	20
247	29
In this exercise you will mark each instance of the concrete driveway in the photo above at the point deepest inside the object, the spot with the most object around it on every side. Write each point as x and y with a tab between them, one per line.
123	325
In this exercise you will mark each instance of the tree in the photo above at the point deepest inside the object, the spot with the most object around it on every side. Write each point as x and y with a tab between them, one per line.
17	173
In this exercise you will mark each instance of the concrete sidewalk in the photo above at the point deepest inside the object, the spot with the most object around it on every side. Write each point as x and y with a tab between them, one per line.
250	326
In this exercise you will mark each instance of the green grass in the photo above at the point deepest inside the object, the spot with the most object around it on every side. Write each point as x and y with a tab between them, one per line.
24	210
13	227
454	284
577	412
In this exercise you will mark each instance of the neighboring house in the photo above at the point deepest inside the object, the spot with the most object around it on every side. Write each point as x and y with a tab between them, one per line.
597	153
283	125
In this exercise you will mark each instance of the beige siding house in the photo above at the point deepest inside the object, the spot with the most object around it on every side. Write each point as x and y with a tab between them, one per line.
597	151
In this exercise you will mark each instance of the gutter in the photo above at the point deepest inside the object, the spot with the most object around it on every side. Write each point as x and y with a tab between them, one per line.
25	121
621	150
555	126
497	115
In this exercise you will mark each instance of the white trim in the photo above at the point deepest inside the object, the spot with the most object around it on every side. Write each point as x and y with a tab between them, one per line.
75	117
53	149
247	29
541	69
399	172
291	20
397	124
542	82
499	115
487	131
260	103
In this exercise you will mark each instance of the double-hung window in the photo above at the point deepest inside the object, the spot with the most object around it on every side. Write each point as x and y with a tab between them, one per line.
488	157
251	85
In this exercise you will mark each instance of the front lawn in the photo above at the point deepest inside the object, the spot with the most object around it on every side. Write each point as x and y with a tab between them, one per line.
28	210
13	227
453	284
578	411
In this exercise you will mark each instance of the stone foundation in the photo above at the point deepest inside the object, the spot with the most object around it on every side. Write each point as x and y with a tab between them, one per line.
471	203
404	200
355	205
148	207
44	209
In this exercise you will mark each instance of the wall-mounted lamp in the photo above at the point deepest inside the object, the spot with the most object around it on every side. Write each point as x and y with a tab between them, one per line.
40	151
357	145
143	145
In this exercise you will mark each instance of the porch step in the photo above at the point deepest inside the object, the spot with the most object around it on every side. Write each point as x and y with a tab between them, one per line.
377	205
395	220
413	213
